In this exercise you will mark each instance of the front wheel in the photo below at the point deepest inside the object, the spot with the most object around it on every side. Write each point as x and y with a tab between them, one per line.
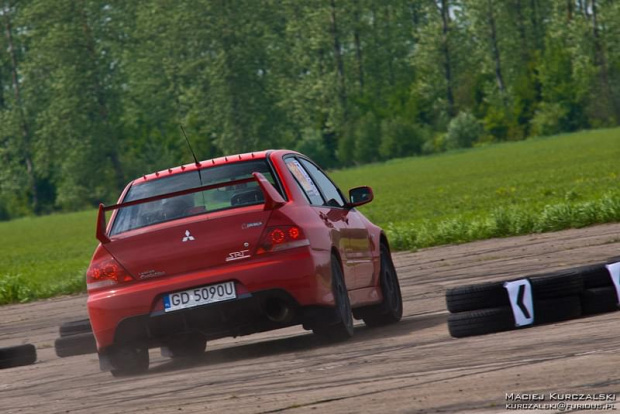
343	328
391	309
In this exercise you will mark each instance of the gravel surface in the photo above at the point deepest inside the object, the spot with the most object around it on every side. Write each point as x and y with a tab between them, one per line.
411	367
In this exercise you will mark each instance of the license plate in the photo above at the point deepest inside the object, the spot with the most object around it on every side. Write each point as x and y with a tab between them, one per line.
199	296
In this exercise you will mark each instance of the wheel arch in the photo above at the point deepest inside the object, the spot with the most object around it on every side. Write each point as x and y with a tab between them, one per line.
384	240
335	252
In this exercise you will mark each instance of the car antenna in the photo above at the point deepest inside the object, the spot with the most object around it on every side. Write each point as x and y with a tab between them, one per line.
190	147
195	162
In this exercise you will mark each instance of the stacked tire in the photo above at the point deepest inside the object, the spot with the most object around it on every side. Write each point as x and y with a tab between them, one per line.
76	338
533	300
600	293
17	356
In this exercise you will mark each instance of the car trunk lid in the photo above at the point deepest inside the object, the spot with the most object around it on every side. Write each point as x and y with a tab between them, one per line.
198	241
190	244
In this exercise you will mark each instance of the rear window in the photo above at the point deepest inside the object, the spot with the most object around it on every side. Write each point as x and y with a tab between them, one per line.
200	202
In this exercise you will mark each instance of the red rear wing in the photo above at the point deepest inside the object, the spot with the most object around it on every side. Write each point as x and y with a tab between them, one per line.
273	200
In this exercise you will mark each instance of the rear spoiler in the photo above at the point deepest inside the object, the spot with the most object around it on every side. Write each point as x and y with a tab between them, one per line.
273	200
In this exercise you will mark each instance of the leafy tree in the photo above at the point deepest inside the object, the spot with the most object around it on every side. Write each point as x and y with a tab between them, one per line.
19	175
68	69
400	138
464	130
93	92
441	60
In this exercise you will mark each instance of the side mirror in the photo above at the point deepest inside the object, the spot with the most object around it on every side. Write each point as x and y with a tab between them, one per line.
360	196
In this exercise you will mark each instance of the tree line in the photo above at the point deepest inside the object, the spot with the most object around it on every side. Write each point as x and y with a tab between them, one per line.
92	92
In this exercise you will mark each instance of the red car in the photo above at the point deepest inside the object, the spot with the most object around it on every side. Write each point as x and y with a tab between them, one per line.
233	246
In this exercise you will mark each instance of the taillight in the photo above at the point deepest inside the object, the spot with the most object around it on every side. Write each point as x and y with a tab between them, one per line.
106	272
281	238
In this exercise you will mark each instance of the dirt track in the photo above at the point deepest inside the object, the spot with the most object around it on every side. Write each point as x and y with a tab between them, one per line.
414	366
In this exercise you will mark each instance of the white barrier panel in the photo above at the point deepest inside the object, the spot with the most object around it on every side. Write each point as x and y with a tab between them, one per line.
614	273
520	293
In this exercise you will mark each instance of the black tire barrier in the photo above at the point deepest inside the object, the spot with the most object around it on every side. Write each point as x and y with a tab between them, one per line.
614	259
17	356
494	295
557	309
595	276
556	285
75	327
599	300
537	299
473	297
485	321
481	322
78	344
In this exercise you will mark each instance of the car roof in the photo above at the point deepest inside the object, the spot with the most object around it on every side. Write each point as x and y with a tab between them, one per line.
228	159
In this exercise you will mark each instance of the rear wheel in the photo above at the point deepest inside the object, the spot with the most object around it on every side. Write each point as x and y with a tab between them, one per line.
391	309
343	328
191	346
129	360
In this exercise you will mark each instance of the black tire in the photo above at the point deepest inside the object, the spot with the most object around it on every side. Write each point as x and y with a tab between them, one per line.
595	276
187	347
77	344
612	260
75	327
556	285
391	309
557	309
342	329
474	297
129	360
599	300
481	322
17	356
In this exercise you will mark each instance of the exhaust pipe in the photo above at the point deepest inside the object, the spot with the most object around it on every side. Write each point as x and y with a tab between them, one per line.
278	311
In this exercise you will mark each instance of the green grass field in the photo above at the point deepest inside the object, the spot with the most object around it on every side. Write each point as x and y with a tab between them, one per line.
45	256
537	185
529	186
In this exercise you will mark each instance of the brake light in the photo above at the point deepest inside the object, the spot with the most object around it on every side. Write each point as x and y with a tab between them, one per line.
277	236
294	233
281	238
106	272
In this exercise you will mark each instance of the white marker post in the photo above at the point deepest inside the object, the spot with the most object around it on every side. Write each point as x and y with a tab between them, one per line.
520	294
614	273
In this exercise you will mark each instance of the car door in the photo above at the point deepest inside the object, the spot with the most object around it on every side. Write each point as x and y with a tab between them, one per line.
332	215
361	249
357	250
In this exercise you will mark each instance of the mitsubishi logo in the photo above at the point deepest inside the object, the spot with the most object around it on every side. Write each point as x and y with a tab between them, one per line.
188	236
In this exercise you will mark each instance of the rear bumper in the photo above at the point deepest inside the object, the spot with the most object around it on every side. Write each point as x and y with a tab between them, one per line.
299	277
243	316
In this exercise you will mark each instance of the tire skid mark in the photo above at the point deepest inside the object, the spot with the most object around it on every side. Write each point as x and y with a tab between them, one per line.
499	367
289	368
402	387
469	371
